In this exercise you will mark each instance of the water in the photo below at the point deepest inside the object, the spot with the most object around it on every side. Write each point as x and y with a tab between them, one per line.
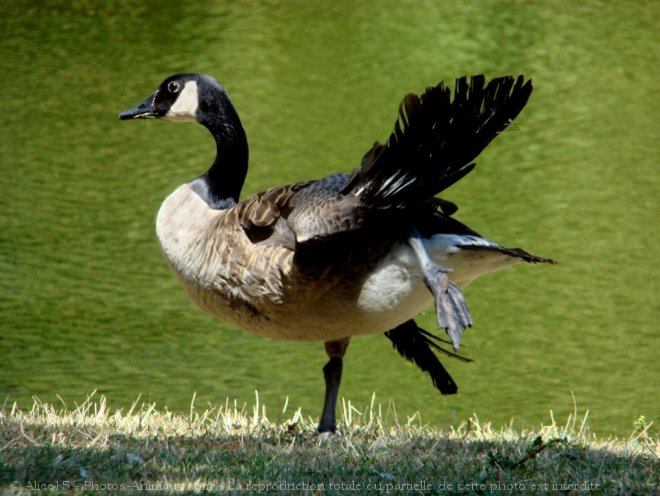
87	303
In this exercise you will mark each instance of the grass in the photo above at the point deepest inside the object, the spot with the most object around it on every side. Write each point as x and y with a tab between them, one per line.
232	450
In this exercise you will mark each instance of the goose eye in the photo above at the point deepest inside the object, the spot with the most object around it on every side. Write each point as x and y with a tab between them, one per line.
173	87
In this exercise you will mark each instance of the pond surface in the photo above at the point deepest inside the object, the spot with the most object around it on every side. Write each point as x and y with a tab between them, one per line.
86	302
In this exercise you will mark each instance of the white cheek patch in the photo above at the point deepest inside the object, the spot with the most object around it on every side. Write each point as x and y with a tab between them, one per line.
184	108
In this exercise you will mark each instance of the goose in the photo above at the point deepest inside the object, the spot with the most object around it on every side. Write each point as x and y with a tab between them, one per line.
351	253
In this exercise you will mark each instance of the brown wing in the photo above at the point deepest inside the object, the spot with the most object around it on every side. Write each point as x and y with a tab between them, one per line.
263	216
320	211
325	209
432	146
300	213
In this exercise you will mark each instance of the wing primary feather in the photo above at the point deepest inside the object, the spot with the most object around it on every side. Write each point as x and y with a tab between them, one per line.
416	345
435	139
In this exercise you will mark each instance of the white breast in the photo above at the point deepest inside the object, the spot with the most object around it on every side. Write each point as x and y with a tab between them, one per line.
181	225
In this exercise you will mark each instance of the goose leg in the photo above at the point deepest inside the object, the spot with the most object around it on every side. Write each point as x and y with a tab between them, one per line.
332	374
451	311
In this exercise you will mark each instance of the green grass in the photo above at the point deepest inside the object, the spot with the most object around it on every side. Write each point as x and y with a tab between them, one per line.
240	451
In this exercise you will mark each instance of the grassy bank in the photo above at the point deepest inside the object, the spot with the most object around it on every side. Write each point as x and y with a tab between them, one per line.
52	449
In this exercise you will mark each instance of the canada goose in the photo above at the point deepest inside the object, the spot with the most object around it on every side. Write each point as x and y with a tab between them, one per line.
348	254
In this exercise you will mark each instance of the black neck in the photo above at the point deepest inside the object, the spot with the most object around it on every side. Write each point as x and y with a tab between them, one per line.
221	185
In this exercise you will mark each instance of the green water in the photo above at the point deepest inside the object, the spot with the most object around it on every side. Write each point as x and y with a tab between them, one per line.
86	301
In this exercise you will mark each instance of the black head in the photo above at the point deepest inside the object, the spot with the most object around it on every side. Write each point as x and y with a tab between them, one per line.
182	97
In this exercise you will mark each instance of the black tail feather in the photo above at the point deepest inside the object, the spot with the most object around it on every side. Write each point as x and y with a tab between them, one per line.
431	342
512	252
416	345
436	139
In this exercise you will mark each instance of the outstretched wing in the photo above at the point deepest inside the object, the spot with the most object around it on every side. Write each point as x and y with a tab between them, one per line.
434	142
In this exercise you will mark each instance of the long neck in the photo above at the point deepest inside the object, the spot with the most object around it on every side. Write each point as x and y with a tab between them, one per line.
221	185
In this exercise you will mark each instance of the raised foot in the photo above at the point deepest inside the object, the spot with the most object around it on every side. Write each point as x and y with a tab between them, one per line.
451	310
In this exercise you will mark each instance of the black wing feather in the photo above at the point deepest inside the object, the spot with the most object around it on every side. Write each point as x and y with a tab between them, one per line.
416	345
435	140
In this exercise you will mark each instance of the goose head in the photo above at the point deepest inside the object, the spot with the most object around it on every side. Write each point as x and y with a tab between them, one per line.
181	98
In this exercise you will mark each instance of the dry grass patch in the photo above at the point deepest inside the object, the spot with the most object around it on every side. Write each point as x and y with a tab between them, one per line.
232	450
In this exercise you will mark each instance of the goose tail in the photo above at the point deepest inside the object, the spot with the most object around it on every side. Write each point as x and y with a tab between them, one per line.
435	140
